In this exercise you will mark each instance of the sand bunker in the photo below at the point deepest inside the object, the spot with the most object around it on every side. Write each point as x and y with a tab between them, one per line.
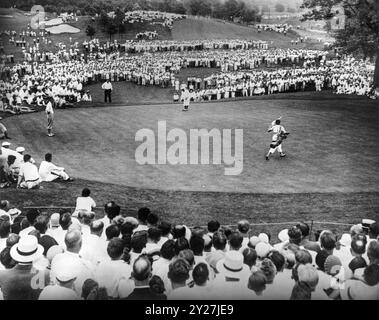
63	28
53	22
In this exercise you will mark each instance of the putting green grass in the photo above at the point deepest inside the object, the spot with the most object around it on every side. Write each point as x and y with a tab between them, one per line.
333	146
329	174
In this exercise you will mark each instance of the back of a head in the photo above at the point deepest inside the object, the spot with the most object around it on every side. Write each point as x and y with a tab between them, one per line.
235	241
303	256
97	227
143	213
269	269
178	271
13	238
328	240
181	244
141	268
373	251
213	226
5	228
115	248
304	228
32	215
200	274
249	257
278	259
308	274
112	231
27	157
6	259
243	226
152	219
321	258
277	122
156	285
48	157
165	228
257	281
154	234
357	263
86	192
219	240
168	250
294	235
301	291
374	230
178	231
197	245
73	240
138	242
358	245
41	223
65	220
112	210
371	274
187	255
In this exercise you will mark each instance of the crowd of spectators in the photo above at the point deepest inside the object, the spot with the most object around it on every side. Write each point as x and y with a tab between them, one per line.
166	19
279	28
79	256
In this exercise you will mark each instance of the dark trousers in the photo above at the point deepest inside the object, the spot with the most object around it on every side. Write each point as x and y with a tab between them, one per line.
107	95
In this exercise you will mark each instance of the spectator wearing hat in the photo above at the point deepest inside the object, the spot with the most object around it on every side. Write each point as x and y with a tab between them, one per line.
15	283
232	278
63	289
83	268
110	272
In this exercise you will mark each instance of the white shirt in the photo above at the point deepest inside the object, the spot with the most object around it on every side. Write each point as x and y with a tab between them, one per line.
56	292
49	108
109	273
29	171
94	249
85	203
46	168
84	269
107	86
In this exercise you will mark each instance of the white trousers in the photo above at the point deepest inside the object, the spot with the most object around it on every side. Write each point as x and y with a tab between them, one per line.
279	148
55	175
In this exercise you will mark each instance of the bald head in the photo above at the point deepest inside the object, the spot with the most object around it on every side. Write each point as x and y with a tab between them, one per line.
73	240
142	269
97	227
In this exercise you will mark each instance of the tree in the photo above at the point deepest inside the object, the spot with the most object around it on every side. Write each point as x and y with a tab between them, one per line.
199	7
279	7
90	31
361	32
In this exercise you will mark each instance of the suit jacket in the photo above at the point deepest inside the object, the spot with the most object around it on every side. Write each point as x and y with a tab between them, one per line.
144	293
16	283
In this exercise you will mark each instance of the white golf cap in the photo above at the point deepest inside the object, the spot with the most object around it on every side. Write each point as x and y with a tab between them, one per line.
20	149
5	144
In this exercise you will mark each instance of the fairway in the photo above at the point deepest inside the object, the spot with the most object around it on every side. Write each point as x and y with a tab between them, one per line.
325	152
